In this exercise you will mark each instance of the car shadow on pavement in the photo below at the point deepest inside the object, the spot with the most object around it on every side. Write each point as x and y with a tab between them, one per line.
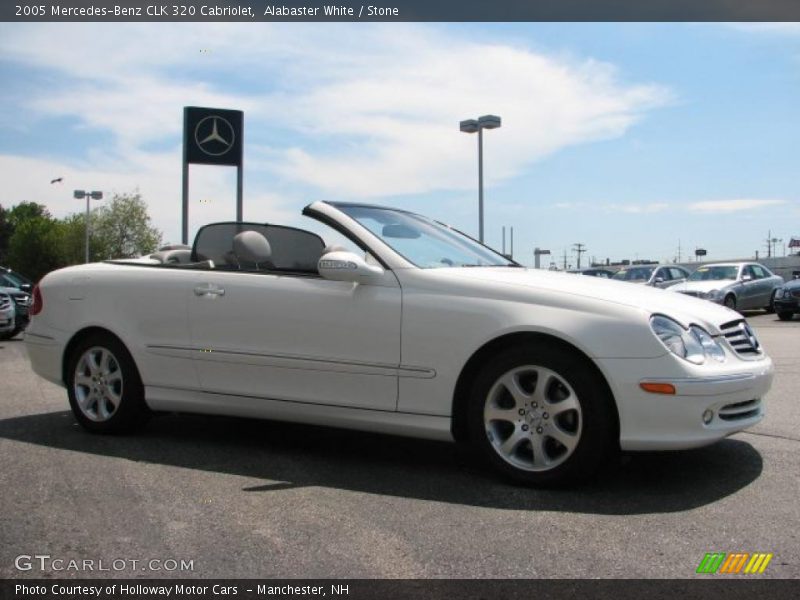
286	456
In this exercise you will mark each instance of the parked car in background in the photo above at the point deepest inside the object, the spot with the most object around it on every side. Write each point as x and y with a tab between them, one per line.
22	302
10	278
740	286
594	272
421	332
7	316
787	300
660	276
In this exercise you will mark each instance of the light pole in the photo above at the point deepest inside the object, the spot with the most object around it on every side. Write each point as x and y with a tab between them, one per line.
477	126
80	194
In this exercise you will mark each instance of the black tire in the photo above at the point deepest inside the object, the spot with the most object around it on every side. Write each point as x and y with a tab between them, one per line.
595	424
129	408
6	336
730	301
785	316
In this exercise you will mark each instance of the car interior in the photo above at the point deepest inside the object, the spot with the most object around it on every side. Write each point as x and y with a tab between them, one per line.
249	247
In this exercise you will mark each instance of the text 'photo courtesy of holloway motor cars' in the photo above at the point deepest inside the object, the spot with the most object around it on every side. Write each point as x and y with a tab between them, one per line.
424	332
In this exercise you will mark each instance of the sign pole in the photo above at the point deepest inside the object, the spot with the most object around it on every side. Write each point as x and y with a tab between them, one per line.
185	211
212	136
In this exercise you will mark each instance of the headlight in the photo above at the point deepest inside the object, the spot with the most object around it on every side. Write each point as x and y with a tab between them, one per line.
780	293
712	295
693	344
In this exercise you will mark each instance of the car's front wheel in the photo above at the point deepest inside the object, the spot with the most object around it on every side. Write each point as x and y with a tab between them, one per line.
542	416
770	308
785	315
730	301
104	387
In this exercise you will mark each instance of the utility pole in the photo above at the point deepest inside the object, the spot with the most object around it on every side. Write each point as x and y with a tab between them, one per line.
579	249
565	259
679	252
769	244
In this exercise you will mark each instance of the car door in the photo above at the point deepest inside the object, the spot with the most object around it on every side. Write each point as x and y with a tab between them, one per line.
747	294
763	286
662	278
678	275
286	334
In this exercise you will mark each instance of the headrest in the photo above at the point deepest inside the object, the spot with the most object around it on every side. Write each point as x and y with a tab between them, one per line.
251	246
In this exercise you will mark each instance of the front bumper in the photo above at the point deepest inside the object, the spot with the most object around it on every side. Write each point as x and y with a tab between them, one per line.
733	395
714	299
7	322
790	304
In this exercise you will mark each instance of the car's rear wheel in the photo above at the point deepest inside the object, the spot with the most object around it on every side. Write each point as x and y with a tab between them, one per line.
730	301
542	416
104	386
785	316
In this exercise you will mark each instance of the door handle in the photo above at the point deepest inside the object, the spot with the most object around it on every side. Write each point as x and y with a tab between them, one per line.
209	290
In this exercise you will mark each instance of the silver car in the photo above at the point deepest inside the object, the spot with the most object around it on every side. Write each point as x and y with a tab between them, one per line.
660	276
7	316
740	286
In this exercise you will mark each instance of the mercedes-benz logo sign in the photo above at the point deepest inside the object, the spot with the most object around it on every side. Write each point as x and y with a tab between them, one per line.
214	135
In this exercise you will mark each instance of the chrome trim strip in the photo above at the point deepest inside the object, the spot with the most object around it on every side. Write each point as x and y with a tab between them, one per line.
39	335
291	361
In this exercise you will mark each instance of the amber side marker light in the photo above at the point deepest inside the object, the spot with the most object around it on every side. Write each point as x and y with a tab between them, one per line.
658	388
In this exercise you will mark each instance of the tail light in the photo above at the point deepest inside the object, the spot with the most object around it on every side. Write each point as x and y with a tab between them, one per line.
38	302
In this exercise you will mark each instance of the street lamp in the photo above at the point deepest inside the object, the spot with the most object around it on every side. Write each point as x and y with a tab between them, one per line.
80	194
477	126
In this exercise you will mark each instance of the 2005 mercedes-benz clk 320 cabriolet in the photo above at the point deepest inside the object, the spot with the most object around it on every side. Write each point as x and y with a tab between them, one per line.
422	332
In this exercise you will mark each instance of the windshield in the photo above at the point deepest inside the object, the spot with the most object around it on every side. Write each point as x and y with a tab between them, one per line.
635	274
424	242
714	273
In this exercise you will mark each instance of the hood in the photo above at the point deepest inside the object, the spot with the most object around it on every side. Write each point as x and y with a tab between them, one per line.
703	286
792	284
684	309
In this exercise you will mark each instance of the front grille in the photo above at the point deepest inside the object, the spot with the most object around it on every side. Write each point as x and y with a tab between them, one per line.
740	410
741	338
5	302
796	293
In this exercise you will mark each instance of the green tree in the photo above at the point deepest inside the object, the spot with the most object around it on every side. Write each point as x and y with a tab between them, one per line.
5	234
11	218
34	247
122	229
25	211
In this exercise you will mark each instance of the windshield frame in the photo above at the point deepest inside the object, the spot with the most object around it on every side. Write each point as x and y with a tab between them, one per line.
462	238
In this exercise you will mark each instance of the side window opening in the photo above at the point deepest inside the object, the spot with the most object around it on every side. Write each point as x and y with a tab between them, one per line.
292	249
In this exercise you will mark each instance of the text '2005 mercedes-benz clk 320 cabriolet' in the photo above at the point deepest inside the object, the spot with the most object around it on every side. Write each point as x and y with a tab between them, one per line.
421	332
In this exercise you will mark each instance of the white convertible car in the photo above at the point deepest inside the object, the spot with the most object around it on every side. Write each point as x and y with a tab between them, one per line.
422	332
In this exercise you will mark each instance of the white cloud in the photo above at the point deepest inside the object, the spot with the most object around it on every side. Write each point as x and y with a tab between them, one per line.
361	110
731	206
649	208
212	196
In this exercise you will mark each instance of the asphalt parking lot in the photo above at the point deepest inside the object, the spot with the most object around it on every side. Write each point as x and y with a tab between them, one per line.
261	499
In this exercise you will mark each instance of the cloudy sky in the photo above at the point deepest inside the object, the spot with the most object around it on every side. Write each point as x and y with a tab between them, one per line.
628	138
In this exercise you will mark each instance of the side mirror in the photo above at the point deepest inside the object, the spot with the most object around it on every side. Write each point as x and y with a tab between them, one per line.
659	280
341	265
747	277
